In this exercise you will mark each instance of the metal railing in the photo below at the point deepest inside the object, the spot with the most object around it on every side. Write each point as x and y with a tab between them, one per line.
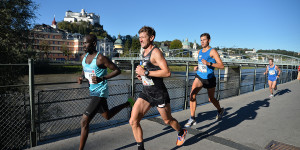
31	117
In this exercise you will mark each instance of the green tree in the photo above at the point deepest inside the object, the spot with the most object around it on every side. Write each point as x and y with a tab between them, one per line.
16	20
175	44
136	45
45	47
127	45
65	51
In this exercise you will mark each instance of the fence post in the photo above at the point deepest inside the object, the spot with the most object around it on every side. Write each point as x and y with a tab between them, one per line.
132	78
287	73
33	135
292	72
281	74
254	79
186	85
240	81
219	84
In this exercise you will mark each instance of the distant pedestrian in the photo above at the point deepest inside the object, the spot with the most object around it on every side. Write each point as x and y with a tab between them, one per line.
273	72
95	70
208	59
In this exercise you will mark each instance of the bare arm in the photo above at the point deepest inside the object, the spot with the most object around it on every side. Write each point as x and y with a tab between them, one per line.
79	80
214	54
157	59
102	60
109	64
196	67
267	69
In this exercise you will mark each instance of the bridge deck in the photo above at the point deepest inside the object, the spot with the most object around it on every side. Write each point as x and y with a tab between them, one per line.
251	121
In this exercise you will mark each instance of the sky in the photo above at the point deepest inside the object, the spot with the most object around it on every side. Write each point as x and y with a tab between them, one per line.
258	24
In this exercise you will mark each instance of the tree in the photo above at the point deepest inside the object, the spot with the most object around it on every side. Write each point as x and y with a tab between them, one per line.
136	45
65	51
175	44
45	47
127	45
16	20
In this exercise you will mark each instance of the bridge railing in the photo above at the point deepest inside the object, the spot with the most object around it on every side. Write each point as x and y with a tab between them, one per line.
38	117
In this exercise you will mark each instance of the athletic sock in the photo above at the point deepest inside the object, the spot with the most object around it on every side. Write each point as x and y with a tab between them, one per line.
180	132
193	117
140	145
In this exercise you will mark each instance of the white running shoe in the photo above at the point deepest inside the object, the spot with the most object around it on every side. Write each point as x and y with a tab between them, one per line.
271	95
190	123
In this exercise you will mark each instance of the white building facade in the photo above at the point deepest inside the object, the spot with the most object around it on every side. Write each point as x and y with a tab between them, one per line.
82	16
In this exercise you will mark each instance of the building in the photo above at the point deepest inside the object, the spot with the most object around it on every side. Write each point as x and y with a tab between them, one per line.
186	44
118	45
253	51
53	25
106	47
82	16
55	44
165	50
195	45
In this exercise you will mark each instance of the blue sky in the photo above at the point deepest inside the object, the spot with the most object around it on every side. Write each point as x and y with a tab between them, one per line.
259	24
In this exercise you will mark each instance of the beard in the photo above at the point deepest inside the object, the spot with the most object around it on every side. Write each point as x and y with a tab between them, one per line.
146	46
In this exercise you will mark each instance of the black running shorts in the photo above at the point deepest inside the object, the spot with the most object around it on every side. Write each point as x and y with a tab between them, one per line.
207	83
158	97
97	105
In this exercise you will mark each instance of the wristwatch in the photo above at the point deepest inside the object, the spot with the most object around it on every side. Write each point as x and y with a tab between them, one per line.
146	72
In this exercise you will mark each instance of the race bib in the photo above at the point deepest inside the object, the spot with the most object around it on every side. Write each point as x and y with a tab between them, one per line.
271	72
88	73
202	67
146	81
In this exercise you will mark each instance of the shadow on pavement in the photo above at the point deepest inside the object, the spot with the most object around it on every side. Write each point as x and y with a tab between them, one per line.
228	121
281	92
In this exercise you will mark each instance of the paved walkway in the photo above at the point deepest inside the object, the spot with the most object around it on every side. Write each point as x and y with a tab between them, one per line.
251	121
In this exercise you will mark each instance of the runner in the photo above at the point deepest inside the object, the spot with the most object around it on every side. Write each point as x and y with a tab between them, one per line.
208	59
95	70
151	72
273	74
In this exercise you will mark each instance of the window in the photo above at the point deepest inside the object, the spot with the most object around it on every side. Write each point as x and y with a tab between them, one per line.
53	48
53	36
53	42
49	36
58	48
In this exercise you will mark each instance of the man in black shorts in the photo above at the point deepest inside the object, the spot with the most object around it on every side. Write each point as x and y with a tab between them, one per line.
208	59
151	71
95	70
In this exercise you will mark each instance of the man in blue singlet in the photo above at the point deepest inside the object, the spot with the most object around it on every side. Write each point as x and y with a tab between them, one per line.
208	59
273	72
151	72
95	71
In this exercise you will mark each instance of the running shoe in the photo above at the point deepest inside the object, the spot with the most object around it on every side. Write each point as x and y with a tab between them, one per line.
181	139
131	101
220	115
271	95
190	123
